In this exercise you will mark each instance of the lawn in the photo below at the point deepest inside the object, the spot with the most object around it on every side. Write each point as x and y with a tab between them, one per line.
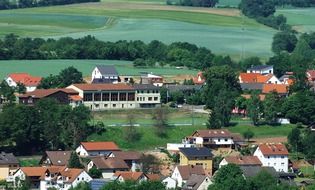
301	18
46	67
217	29
29	161
175	133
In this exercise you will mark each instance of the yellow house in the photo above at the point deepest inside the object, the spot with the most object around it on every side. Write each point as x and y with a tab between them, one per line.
8	165
196	156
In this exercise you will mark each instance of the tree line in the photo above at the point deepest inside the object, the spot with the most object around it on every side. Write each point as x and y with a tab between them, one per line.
193	3
8	4
47	125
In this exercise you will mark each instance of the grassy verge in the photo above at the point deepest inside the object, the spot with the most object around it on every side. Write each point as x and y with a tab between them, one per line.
26	162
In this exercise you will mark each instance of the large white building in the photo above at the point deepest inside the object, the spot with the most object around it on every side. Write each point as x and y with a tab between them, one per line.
117	96
105	74
273	155
262	69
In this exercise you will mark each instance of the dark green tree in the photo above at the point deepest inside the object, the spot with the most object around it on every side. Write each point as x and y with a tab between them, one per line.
95	173
229	177
272	107
254	107
74	161
248	134
82	186
284	41
295	139
257	8
220	92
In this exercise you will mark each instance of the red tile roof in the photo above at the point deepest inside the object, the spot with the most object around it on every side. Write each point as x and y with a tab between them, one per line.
97	87
279	88
71	173
25	78
98	146
249	77
243	160
34	171
273	149
127	175
75	97
41	93
153	177
210	133
199	79
109	163
263	78
127	155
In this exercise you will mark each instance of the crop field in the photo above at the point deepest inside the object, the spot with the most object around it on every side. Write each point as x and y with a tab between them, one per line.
303	19
46	67
223	31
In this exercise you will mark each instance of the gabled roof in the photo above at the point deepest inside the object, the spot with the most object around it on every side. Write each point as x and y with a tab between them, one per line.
260	67
42	93
212	133
243	160
99	146
8	158
34	171
273	149
128	175
25	78
250	171
264	78
194	152
109	163
249	77
107	69
104	87
194	182
187	170
71	174
127	155
58	158
153	177
279	88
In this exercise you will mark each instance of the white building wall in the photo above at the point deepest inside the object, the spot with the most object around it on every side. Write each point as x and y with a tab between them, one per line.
279	162
10	82
170	183
223	163
83	177
205	184
81	151
176	175
96	74
223	141
274	80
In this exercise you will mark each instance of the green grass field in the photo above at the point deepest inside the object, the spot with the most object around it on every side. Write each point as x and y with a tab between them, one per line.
301	18
147	20
46	67
174	133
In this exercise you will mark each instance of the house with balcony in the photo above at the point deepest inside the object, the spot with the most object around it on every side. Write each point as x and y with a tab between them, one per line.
44	178
215	138
273	155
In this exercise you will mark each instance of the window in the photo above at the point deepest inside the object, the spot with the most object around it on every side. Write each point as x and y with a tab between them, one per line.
114	96
87	97
122	96
105	105
282	157
156	98
105	97
282	164
274	164
268	157
150	98
131	96
219	140
114	105
97	96
225	140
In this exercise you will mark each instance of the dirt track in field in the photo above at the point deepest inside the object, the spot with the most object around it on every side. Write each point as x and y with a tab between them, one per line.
269	140
147	6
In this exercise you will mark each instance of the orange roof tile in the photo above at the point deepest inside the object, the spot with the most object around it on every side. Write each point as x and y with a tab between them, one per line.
263	78
96	87
71	173
273	149
249	77
95	146
75	97
25	78
127	175
153	177
279	88
34	171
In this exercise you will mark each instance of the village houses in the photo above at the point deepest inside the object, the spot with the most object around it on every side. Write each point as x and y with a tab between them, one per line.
30	82
86	149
